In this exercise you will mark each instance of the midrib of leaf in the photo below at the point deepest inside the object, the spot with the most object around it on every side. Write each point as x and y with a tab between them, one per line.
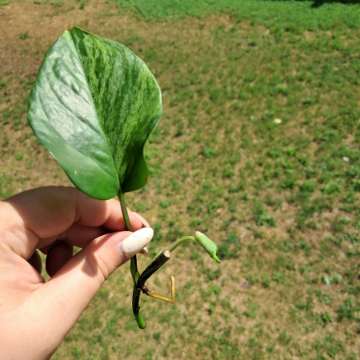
98	105
128	101
92	104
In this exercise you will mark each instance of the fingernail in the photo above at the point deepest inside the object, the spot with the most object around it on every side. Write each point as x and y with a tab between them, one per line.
137	241
145	251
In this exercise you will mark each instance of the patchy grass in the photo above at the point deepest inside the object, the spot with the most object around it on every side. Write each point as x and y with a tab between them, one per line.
294	15
259	147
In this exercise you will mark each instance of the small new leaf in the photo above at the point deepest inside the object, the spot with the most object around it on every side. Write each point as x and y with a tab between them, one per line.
208	245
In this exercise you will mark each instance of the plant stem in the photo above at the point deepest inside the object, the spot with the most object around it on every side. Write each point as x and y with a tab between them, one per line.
124	211
158	262
133	261
155	265
181	241
155	295
136	307
133	267
139	284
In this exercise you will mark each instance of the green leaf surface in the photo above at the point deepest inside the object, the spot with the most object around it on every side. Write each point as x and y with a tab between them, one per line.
207	244
93	107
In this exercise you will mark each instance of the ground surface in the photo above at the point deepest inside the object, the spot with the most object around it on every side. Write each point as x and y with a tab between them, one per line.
259	147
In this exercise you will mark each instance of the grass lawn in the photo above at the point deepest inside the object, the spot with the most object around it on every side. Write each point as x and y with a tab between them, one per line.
296	14
258	147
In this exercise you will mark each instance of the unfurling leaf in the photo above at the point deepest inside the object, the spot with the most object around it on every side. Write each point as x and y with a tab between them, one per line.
93	107
207	244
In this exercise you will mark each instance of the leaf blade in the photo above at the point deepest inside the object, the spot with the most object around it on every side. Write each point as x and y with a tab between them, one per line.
69	141
135	96
92	123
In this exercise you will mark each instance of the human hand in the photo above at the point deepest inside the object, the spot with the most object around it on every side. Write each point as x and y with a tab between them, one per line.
36	315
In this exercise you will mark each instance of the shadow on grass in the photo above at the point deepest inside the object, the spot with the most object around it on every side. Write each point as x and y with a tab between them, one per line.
318	3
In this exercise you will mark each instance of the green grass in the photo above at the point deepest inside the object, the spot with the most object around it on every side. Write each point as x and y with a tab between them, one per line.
289	14
258	147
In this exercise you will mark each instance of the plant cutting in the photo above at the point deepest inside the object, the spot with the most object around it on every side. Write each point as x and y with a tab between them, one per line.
93	106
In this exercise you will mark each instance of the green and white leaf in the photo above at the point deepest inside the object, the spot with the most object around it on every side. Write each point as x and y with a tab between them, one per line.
93	107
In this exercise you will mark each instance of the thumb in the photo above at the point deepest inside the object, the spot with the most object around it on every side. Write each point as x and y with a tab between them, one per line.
62	299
